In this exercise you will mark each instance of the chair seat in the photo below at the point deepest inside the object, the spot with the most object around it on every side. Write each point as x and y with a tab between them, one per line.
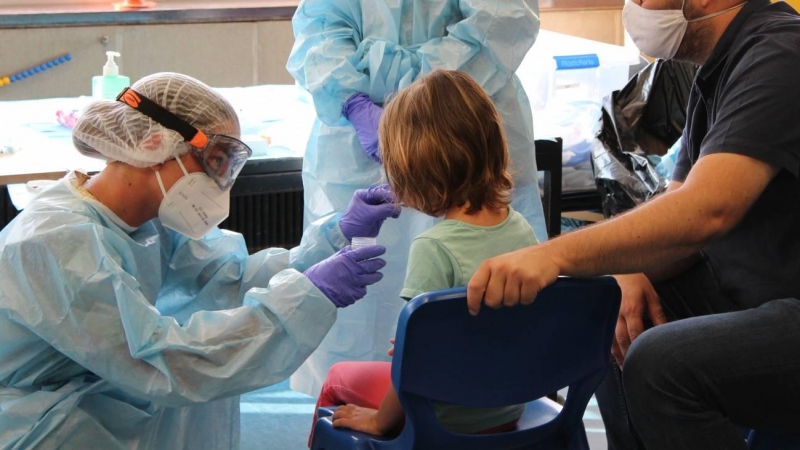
538	412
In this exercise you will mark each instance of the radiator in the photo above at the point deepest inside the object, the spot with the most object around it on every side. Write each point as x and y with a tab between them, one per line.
7	210
267	220
272	219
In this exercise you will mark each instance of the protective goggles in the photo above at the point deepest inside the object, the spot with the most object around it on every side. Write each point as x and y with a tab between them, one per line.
222	157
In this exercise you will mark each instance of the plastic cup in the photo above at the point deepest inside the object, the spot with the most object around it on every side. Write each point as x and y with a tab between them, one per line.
359	242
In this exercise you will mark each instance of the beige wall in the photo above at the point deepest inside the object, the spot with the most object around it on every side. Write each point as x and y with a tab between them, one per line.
604	25
223	55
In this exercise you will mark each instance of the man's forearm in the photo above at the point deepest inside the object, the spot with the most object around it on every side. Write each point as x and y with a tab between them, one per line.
719	191
668	229
668	271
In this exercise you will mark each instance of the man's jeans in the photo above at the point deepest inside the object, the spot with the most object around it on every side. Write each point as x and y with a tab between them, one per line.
691	383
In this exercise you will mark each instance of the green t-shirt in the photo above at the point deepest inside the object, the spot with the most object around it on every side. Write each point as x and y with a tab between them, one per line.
447	255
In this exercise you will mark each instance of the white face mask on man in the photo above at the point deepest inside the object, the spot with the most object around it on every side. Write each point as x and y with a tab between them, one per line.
194	205
658	33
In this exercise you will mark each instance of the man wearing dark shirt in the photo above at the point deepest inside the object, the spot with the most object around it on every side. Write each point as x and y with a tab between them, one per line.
720	251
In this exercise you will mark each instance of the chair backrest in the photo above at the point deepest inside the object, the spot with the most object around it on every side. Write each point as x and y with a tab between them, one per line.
549	160
7	209
503	357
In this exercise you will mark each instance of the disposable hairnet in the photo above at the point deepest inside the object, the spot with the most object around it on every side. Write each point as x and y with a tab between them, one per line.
114	131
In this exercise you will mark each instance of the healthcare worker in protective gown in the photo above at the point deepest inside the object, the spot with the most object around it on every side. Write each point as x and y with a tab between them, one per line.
128	320
350	55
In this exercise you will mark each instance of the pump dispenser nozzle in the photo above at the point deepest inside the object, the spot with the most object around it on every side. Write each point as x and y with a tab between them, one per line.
109	85
111	67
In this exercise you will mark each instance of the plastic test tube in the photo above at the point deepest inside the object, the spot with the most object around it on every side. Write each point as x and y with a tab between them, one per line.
359	242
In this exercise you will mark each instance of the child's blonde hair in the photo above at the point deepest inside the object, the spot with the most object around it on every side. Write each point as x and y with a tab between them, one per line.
443	145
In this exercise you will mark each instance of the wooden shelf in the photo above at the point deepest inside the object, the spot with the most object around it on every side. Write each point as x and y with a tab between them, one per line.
203	11
172	12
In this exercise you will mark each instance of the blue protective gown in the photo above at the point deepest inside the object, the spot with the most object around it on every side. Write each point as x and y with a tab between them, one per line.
115	338
377	47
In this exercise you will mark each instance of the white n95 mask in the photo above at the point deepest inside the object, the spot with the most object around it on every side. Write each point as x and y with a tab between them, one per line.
658	33
194	205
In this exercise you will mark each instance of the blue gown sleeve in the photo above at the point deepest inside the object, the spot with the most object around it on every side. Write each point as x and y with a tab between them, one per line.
489	43
81	298
215	273
323	59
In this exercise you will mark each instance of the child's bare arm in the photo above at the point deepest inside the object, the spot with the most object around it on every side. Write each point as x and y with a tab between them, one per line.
391	413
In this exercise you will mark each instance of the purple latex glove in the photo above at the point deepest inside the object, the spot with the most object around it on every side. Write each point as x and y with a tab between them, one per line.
344	277
365	117
367	211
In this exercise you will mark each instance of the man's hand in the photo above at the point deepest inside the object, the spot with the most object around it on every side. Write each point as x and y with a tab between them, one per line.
358	419
511	279
638	296
391	350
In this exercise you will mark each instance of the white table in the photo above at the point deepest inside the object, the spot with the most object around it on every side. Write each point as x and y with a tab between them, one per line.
282	112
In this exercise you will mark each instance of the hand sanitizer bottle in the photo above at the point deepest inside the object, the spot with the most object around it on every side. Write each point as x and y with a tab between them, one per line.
111	83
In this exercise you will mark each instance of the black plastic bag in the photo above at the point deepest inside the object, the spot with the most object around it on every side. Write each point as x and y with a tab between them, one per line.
644	118
650	111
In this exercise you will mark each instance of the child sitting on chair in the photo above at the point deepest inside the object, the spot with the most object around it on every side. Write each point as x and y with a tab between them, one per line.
445	154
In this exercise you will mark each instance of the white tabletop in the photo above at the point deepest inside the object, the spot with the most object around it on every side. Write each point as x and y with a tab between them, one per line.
276	121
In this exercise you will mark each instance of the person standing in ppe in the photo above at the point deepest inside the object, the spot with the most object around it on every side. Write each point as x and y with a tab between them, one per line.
350	55
127	318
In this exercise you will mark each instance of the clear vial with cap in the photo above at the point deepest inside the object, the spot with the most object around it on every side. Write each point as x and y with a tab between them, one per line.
359	242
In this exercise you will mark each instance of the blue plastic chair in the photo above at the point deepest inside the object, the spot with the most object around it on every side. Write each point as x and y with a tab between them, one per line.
501	357
757	440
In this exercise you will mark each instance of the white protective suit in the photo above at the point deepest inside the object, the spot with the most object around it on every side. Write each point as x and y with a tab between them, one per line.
120	338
